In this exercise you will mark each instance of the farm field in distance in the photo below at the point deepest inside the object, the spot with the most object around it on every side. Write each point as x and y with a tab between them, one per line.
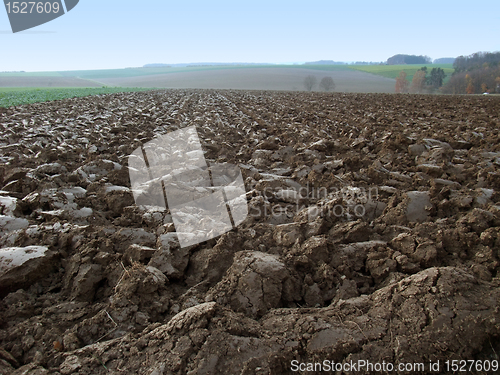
372	234
392	71
248	77
46	81
26	95
348	78
261	78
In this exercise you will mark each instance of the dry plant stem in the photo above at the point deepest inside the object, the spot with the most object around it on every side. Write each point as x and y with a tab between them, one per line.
114	329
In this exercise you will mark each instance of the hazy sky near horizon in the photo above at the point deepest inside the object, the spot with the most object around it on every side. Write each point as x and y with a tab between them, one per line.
118	34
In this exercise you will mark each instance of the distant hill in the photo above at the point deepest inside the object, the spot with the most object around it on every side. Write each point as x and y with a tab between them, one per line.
325	62
156	66
408	59
183	65
367	63
444	60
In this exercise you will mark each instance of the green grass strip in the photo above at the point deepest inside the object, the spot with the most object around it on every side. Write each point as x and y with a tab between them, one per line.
22	95
392	71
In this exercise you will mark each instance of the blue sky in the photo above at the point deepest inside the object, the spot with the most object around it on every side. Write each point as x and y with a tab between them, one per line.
117	34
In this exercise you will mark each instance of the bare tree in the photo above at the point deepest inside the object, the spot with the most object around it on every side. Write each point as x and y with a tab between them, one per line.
327	84
309	82
418	81
402	83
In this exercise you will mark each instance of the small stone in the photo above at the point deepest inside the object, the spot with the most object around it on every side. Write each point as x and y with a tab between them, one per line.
431	169
142	318
319	168
287	234
416	149
312	296
483	196
419	203
433	143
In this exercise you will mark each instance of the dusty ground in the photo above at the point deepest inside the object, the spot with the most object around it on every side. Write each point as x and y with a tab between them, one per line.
373	234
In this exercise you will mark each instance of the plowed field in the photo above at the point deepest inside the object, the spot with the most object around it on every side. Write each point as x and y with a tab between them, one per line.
373	237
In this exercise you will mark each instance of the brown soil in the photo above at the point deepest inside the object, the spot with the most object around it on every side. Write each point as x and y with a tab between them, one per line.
373	234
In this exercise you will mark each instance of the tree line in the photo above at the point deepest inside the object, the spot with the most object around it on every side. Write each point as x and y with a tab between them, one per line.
420	81
475	74
477	60
408	59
